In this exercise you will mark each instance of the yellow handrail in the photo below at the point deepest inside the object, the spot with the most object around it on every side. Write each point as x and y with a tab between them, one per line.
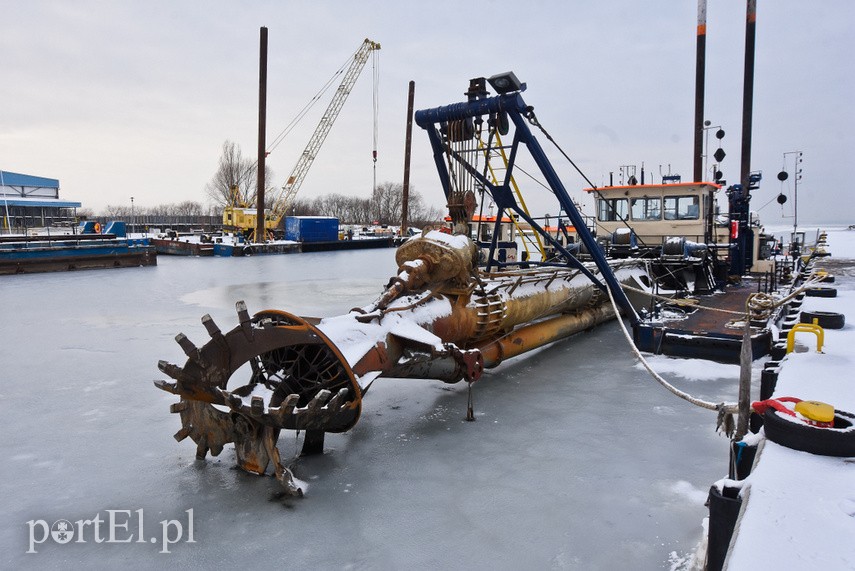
810	328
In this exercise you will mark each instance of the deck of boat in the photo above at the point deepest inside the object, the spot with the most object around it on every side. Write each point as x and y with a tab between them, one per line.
715	320
713	331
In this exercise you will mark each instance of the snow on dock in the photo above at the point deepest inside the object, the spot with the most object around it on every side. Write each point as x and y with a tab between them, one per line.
798	508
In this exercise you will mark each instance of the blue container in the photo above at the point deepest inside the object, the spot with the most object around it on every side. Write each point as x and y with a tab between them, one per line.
116	227
311	228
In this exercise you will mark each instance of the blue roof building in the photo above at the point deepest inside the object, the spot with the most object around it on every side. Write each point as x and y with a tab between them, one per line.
28	201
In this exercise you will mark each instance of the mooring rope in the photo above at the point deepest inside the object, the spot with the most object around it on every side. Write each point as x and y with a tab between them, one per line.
757	303
726	407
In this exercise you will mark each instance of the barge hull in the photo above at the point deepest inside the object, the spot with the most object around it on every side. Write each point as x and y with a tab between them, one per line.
88	261
708	332
182	248
346	245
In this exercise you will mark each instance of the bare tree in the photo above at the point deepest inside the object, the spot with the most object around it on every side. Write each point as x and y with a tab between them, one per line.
118	212
160	210
188	208
337	205
387	201
431	215
303	207
237	171
383	207
387	206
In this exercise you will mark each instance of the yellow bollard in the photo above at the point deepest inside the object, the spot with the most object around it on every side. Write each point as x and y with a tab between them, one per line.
810	328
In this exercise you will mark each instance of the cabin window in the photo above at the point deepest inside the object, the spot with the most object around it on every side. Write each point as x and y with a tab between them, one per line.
612	209
682	208
647	208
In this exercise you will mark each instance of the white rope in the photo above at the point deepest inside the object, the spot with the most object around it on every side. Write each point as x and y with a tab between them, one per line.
759	302
763	302
721	407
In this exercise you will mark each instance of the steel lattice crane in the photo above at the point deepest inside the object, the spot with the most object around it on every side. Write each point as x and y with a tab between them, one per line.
298	174
244	218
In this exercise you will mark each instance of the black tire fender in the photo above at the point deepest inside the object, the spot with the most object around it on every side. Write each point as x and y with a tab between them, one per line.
792	433
825	319
821	292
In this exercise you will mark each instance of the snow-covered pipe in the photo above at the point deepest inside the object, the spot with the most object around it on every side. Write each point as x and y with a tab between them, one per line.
413	323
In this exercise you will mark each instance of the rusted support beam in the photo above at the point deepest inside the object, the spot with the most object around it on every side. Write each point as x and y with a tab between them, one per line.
408	145
700	74
262	135
748	91
313	443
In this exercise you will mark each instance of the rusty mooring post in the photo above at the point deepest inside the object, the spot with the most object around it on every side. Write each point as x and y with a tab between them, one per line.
748	92
262	129
408	144
700	64
744	401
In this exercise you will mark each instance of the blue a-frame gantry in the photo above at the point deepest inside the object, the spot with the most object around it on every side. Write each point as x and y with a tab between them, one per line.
512	106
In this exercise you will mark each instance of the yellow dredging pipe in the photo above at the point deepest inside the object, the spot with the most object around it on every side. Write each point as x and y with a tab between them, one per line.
542	333
440	318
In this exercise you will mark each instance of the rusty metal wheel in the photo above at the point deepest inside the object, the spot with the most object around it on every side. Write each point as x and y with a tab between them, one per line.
273	371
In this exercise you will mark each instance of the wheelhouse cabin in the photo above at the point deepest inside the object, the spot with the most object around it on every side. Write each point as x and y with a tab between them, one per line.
658	213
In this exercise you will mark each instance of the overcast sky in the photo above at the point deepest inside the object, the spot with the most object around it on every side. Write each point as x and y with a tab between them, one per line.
119	99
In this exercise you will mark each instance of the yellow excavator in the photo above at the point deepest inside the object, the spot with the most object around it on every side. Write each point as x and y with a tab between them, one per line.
242	217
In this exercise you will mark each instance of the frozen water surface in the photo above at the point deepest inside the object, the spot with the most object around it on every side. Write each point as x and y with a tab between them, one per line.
577	458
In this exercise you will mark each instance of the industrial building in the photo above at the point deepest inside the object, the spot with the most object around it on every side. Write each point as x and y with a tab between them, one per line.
28	201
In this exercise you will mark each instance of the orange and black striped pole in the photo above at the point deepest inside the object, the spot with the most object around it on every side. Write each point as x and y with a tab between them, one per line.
700	65
748	92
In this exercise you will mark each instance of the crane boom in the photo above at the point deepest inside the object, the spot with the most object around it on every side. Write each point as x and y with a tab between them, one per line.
298	174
